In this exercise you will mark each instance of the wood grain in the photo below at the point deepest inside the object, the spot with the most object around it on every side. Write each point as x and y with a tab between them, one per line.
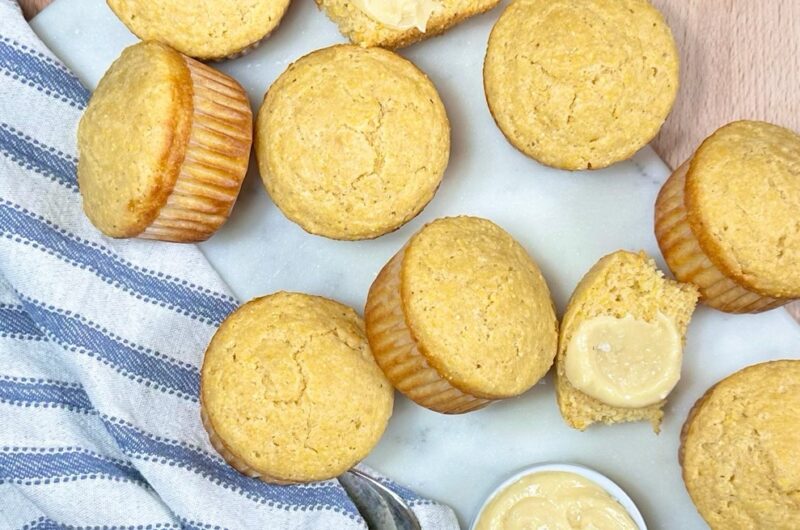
31	7
739	59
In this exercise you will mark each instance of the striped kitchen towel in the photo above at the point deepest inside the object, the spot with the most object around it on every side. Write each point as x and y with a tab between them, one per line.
100	347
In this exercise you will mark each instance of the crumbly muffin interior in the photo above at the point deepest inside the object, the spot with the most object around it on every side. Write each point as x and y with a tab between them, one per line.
620	284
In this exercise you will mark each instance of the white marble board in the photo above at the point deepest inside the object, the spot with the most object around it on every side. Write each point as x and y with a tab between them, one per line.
566	221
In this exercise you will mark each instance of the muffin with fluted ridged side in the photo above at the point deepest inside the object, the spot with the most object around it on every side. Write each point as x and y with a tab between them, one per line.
290	391
163	146
727	220
580	84
352	142
204	29
739	449
461	316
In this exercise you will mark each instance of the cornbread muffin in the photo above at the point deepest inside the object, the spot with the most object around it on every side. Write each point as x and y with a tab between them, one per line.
580	84
727	220
398	23
204	29
290	391
461	316
352	142
163	146
739	449
632	322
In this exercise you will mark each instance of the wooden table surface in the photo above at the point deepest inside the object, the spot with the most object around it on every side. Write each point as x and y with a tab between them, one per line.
739	59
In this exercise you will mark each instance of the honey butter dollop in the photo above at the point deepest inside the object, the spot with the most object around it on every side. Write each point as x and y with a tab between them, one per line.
555	500
398	14
625	362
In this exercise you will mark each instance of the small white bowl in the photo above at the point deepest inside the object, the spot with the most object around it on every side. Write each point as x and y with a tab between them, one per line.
601	480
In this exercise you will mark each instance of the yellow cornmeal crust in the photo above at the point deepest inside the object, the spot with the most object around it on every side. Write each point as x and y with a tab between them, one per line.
687	261
728	220
739	449
461	316
204	29
357	26
290	391
352	142
620	284
163	146
580	84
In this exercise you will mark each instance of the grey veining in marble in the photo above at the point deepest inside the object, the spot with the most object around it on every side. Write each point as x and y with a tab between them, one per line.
565	220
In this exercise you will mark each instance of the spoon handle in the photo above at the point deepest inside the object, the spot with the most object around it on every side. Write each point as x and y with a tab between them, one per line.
382	508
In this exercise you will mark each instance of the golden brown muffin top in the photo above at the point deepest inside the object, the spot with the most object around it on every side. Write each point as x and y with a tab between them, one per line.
290	386
580	84
132	138
743	204
739	449
478	307
205	29
352	142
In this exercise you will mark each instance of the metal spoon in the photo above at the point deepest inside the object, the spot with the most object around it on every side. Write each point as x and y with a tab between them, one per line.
381	508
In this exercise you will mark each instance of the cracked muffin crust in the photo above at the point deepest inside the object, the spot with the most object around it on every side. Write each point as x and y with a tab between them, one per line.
290	391
580	84
204	29
163	146
739	449
352	142
727	219
461	316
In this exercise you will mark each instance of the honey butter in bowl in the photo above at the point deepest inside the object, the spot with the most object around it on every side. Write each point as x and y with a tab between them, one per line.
558	496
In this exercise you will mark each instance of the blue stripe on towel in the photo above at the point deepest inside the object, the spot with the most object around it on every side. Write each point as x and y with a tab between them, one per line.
75	333
33	155
16	323
194	525
34	392
36	466
45	523
41	72
204	305
141	445
45	393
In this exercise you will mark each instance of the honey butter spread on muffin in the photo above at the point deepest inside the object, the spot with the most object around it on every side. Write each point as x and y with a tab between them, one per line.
204	29
728	219
290	391
351	142
739	449
461	316
621	343
579	84
163	146
398	23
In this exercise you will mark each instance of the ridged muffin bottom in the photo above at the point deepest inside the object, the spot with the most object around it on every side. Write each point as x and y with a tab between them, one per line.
397	353
688	262
217	156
